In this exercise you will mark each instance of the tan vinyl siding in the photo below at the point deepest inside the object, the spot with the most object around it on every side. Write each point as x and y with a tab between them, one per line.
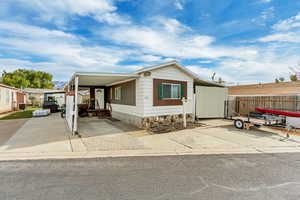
127	96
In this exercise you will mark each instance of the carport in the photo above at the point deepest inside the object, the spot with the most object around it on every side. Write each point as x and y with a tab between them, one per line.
93	82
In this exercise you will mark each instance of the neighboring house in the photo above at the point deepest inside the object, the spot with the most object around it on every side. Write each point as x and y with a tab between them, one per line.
36	96
153	93
266	89
10	98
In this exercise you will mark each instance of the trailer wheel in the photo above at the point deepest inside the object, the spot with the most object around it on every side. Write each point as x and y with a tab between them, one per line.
238	123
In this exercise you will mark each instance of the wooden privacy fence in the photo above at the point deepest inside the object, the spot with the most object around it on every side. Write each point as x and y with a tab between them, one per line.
244	105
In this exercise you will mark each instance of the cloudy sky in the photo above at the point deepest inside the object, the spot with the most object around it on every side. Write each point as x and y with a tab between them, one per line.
243	41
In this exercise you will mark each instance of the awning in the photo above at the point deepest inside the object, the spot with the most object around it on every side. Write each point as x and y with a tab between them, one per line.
102	79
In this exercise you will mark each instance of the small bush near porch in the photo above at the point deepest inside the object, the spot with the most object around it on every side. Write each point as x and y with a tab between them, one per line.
27	113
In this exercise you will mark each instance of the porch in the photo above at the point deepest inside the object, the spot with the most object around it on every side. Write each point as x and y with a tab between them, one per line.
88	98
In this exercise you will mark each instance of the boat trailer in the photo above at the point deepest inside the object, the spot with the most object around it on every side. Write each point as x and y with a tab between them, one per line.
288	120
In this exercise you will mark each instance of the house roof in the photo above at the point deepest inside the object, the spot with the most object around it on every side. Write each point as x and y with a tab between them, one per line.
266	89
42	91
105	79
10	87
196	78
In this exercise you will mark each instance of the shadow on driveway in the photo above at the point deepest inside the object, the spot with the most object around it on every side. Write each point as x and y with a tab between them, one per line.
9	127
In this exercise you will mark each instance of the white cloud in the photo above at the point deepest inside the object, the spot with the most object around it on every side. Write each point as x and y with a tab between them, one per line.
285	31
112	18
205	61
204	73
290	23
252	71
10	65
63	52
149	58
59	10
263	69
273	61
264	16
172	25
178	42
265	1
281	37
178	4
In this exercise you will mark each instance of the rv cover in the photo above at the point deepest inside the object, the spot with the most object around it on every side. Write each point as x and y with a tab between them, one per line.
278	112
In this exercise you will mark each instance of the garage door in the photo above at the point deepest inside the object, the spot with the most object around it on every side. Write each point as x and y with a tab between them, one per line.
210	101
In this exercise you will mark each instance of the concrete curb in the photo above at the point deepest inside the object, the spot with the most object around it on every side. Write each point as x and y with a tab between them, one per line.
13	156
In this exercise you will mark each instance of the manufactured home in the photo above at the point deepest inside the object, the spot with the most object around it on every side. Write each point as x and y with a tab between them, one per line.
10	98
165	92
37	96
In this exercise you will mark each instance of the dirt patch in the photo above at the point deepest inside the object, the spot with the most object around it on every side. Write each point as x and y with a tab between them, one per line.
9	128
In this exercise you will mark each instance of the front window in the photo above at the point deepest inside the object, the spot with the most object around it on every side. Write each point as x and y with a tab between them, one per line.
171	91
118	93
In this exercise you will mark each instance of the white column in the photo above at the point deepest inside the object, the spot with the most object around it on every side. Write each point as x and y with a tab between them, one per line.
75	106
184	100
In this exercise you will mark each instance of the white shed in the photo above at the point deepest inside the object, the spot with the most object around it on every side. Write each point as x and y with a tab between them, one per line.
210	101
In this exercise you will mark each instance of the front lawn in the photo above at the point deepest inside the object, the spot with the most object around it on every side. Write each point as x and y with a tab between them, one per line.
27	113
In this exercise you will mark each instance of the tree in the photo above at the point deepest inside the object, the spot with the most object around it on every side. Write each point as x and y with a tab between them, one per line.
293	77
280	79
22	78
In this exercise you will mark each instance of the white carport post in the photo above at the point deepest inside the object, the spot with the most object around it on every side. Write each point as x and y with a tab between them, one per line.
75	128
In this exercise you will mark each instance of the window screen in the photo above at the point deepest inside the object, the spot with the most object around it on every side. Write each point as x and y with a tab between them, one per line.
171	91
118	93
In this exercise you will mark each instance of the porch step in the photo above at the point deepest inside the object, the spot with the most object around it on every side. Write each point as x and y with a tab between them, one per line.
103	113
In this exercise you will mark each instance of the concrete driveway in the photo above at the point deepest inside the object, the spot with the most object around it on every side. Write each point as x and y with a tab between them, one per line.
9	128
113	138
217	136
44	134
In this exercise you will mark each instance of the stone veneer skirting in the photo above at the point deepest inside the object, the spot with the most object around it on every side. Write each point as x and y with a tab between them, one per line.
150	123
165	121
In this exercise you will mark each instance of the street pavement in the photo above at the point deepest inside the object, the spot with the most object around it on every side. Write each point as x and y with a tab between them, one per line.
248	176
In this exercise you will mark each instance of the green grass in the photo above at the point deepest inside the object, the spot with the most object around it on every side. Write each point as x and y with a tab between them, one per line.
27	113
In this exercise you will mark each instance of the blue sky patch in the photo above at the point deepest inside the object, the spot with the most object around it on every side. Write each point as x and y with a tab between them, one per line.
247	41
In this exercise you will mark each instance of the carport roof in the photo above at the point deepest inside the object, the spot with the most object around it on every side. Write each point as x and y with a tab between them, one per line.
102	79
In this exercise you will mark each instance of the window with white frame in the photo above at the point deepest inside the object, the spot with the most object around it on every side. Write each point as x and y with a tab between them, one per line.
171	91
118	91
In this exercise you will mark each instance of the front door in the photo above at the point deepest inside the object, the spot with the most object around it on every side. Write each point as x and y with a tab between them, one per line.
99	97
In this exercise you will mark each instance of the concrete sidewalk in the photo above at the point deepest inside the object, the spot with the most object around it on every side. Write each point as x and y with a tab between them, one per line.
45	138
